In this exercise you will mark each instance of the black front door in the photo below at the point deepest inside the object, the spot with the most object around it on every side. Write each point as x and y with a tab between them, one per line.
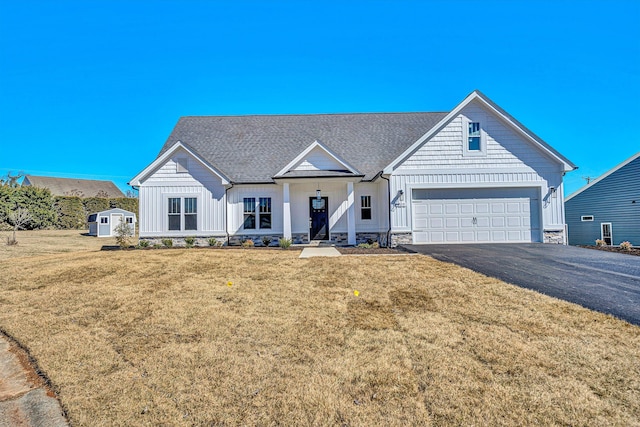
319	218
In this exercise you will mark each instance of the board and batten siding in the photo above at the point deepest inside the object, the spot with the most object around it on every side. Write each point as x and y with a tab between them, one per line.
197	182
299	202
609	200
509	160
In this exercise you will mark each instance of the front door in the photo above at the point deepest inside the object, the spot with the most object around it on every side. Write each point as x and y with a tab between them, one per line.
606	234
319	218
116	219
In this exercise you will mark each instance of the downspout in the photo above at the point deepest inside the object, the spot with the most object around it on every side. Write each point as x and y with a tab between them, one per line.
226	212
388	209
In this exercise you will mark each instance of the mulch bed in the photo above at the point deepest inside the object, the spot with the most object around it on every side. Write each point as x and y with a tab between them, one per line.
632	251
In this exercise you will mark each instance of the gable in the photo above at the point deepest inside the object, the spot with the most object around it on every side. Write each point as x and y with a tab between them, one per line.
626	174
318	160
502	146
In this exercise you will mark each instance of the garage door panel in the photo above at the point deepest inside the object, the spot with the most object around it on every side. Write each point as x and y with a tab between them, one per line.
483	215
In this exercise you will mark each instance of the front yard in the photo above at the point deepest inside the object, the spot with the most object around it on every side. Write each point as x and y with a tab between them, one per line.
246	337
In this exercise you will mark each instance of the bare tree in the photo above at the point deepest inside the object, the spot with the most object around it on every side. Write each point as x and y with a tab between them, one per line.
11	180
18	218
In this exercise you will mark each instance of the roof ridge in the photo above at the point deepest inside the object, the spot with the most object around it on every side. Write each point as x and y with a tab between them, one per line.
316	114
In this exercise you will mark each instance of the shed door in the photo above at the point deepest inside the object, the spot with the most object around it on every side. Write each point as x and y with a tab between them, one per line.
116	219
506	215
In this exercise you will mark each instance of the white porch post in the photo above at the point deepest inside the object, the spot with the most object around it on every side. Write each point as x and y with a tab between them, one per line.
286	211
351	215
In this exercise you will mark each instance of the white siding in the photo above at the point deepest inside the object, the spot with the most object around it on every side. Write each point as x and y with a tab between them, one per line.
509	161
167	182
318	159
235	210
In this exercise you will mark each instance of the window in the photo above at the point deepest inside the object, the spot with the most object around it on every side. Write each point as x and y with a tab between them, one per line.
474	136
249	214
174	213
257	218
104	220
182	165
586	218
183	213
129	220
265	212
365	207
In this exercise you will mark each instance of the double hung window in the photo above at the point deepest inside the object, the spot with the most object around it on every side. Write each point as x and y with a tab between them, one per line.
182	213
365	207
474	136
257	216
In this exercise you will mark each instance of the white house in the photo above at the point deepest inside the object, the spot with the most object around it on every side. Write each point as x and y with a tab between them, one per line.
104	223
474	174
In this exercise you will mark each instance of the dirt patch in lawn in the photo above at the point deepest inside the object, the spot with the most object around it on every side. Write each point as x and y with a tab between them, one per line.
195	337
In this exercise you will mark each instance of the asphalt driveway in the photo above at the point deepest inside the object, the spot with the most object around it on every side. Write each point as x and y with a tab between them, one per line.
603	281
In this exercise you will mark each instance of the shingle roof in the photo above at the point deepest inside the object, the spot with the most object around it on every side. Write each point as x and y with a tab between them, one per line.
73	186
256	148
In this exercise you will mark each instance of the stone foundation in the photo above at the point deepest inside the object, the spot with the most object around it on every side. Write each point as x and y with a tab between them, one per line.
179	241
396	239
237	240
554	237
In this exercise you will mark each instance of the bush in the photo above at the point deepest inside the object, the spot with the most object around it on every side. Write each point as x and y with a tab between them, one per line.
70	212
248	243
167	242
143	243
284	243
600	242
124	232
626	246
189	241
214	242
364	246
266	240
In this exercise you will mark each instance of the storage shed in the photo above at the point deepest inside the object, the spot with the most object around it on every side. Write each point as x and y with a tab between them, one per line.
104	224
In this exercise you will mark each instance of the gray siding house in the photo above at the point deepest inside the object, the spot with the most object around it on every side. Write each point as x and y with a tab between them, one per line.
608	208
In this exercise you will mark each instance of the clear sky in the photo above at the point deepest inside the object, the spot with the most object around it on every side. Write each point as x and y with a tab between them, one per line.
92	89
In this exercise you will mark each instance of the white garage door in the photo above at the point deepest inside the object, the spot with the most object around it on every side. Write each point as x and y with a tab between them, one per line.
476	216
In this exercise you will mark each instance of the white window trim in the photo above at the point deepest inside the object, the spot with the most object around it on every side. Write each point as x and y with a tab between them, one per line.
256	200
370	207
106	218
584	218
602	224
165	213
482	152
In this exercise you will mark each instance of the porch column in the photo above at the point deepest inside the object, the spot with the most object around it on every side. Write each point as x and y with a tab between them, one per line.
351	215
286	211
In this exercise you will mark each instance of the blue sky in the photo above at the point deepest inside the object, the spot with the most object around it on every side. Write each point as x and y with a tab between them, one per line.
92	89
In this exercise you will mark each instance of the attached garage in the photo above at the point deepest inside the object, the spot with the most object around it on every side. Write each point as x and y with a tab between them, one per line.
491	215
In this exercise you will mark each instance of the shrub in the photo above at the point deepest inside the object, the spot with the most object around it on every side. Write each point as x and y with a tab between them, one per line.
626	246
375	245
266	240
167	243
189	241
600	242
284	243
364	245
124	232
143	243
214	242
156	246
248	243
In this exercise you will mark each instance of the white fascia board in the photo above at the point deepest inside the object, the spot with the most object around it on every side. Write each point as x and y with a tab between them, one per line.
603	176
315	144
135	182
507	118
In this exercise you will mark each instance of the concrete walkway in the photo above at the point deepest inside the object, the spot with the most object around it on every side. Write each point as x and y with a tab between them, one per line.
24	398
310	252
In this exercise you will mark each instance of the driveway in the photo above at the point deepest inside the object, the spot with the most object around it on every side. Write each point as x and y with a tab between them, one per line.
603	281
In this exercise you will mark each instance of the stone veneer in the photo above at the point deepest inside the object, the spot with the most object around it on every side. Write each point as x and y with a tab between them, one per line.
405	238
179	241
554	237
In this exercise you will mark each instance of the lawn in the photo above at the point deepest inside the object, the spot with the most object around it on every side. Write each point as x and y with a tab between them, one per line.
260	337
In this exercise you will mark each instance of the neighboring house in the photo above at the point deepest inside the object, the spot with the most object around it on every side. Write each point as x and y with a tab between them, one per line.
104	224
74	187
474	174
608	208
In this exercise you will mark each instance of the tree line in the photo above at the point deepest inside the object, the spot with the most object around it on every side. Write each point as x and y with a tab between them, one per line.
48	211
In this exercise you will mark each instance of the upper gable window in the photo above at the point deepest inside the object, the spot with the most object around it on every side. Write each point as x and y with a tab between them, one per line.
474	139
474	136
182	165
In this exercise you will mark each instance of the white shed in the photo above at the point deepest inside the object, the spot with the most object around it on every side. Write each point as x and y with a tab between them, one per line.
104	224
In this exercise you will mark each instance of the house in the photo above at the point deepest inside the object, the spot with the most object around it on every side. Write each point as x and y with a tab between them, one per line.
608	208
104	224
474	174
74	187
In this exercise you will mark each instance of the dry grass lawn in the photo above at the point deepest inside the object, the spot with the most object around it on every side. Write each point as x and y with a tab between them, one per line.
160	338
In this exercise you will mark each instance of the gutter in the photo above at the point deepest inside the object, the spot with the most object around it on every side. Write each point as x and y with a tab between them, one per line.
388	207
